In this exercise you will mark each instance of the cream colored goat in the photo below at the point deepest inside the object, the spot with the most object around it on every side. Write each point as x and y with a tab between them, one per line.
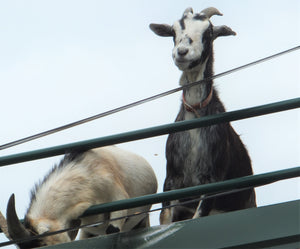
81	180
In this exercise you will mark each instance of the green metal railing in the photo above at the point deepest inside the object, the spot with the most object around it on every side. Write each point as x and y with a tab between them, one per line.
219	187
151	132
234	184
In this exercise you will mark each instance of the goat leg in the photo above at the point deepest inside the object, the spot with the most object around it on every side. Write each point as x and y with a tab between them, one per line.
204	207
116	225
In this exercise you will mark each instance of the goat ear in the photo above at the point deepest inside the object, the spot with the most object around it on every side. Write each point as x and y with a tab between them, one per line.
74	224
222	31
162	29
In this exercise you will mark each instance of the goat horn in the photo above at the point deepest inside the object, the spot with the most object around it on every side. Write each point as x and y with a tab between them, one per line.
16	229
188	10
209	12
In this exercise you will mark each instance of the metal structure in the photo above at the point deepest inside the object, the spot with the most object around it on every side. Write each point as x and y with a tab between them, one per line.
275	226
153	131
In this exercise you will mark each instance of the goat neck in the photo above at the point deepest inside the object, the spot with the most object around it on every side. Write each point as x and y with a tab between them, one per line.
199	93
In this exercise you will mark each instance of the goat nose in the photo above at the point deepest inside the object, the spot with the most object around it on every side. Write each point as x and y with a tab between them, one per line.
182	51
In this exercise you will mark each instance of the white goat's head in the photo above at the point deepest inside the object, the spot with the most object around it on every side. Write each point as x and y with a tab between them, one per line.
193	35
32	228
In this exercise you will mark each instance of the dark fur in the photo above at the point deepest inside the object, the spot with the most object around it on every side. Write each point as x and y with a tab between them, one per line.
181	22
207	50
221	154
200	17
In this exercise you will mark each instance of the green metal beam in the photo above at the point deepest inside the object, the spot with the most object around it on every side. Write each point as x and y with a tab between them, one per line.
151	132
237	183
274	226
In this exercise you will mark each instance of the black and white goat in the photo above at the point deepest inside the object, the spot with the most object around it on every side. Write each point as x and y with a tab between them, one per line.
208	154
80	180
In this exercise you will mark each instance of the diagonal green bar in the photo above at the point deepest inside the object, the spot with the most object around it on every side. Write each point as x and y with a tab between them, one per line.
238	183
151	132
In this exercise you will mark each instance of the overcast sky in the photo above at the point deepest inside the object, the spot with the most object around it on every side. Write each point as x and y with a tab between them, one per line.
61	61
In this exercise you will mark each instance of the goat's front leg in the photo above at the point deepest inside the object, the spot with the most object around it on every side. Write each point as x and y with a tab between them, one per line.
115	225
203	209
165	216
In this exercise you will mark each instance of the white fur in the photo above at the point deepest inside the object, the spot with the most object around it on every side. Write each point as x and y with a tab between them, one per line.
195	93
193	30
104	175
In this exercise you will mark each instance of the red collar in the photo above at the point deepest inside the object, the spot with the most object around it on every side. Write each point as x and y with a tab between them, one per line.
193	108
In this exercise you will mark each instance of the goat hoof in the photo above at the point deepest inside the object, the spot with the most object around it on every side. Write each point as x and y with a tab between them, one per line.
111	229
